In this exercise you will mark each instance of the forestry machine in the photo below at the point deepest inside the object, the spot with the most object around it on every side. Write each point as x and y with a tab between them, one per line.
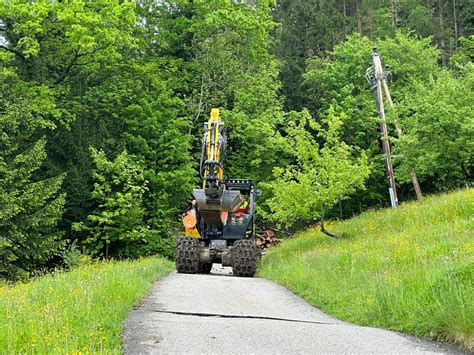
220	224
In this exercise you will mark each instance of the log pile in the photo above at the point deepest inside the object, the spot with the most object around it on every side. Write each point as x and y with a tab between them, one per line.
267	239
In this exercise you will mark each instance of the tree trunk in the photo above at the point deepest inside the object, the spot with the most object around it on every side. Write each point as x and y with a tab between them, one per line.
323	229
441	26
394	12
370	15
455	25
416	185
359	17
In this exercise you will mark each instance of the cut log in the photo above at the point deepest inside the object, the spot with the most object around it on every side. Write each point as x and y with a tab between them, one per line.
267	238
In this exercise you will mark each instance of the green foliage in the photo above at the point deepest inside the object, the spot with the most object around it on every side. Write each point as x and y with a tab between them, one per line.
311	28
439	125
465	54
411	59
425	98
409	269
77	311
338	81
29	212
156	132
308	28
29	206
116	226
110	91
73	256
225	63
323	64
320	176
141	77
56	42
236	73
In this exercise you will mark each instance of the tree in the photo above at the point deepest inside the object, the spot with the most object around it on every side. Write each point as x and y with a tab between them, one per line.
236	73
116	227
439	124
30	206
322	174
465	54
310	28
70	47
99	60
338	80
56	42
155	130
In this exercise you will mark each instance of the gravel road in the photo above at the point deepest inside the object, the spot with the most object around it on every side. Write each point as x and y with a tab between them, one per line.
222	314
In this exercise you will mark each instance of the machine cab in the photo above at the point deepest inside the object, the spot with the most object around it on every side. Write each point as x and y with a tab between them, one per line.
241	223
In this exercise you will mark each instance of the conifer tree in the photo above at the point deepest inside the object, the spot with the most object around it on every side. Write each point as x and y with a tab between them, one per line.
116	227
30	207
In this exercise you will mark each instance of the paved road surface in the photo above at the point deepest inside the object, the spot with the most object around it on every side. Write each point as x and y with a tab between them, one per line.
222	314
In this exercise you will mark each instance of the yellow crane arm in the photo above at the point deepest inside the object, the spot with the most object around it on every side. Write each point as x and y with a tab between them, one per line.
214	197
214	141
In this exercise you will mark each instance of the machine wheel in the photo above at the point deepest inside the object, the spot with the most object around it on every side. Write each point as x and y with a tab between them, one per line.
205	268
187	255
244	258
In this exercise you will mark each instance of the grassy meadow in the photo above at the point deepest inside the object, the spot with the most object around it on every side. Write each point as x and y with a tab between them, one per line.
80	311
409	270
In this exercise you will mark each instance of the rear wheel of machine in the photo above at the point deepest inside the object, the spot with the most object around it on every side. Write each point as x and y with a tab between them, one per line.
187	255
244	258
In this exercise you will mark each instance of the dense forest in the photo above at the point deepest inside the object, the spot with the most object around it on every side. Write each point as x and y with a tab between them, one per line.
102	105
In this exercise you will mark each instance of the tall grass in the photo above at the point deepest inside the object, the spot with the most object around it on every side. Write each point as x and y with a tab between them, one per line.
410	269
80	311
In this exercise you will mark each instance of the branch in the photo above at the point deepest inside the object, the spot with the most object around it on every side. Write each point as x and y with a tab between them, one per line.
67	69
76	56
12	51
199	108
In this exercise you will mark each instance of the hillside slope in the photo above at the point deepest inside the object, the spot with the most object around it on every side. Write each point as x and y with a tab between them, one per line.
410	269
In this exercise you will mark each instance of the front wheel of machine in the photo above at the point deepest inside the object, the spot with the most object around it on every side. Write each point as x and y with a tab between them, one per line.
187	255
244	258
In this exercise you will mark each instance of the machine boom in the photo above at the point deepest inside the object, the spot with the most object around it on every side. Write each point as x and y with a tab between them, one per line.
213	198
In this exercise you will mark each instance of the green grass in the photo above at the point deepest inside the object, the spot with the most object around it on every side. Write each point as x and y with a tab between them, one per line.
77	311
410	269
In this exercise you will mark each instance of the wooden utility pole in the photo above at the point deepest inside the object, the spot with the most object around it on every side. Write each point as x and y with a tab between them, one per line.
383	127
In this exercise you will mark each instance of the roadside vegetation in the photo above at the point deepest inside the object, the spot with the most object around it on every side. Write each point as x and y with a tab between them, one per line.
409	270
80	311
101	110
102	104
